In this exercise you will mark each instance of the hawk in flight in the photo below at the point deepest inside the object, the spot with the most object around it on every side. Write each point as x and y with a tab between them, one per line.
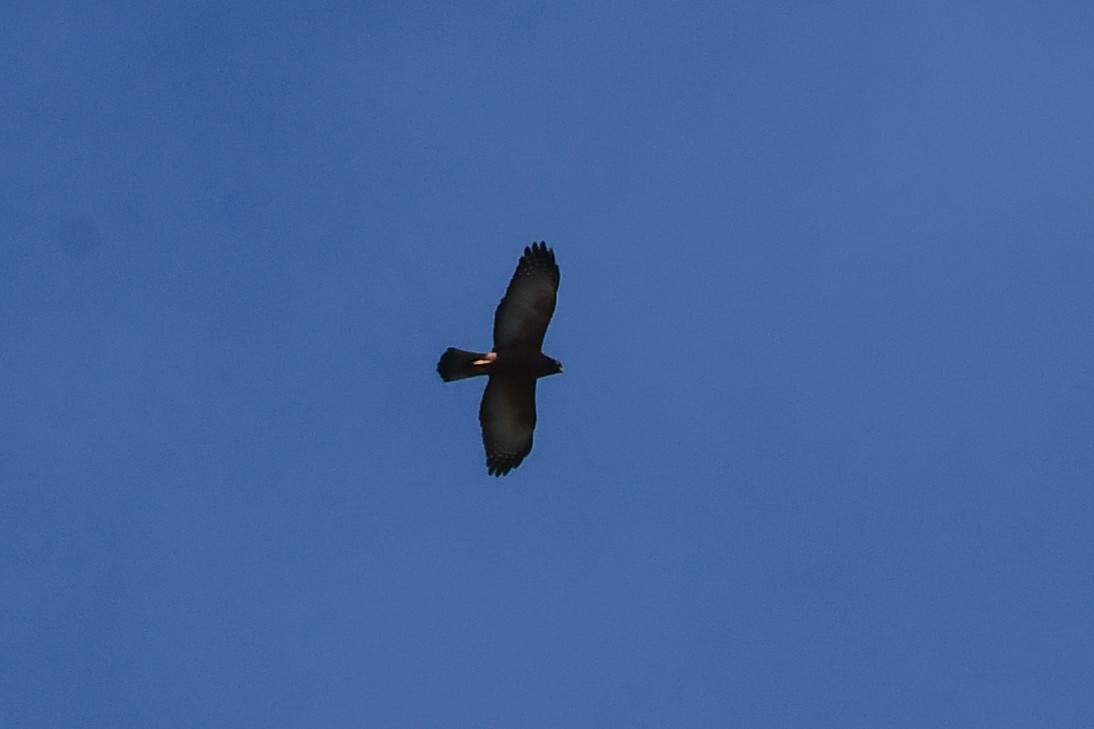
508	410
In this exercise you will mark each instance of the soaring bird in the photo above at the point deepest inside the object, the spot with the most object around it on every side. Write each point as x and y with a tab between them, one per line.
508	410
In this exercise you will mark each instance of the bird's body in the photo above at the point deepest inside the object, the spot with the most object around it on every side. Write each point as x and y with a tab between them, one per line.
508	410
459	364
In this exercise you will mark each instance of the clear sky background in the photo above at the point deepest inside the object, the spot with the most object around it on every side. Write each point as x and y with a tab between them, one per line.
822	456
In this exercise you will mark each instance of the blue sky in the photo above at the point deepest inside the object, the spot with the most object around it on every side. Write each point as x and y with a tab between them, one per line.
824	447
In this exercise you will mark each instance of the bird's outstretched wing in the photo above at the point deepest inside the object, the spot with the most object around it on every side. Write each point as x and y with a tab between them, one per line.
521	319
508	417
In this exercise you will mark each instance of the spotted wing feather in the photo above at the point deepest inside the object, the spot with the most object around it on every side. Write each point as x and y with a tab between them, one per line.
508	417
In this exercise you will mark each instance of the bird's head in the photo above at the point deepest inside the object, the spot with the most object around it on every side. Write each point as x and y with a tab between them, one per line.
548	366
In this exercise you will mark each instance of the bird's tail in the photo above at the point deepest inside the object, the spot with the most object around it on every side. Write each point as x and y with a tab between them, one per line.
456	364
